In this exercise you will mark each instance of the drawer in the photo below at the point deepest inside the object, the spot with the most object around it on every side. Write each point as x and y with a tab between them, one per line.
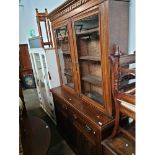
84	124
77	118
60	103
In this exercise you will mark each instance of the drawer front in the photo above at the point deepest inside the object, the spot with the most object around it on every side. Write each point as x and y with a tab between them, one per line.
108	152
76	117
87	128
74	125
60	103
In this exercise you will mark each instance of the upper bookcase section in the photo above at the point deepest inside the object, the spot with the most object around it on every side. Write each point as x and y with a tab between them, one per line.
94	27
71	6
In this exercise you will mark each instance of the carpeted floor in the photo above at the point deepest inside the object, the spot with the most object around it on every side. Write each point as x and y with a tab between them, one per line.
58	145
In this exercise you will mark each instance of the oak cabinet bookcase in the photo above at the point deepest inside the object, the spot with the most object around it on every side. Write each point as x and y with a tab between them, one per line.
85	32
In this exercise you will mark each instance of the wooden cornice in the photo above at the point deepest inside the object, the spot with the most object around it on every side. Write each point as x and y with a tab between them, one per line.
66	7
71	5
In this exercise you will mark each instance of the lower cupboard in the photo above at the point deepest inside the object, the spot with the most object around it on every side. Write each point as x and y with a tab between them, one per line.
75	134
81	126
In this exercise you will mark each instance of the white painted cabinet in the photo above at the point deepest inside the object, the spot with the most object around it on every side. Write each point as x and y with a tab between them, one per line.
43	82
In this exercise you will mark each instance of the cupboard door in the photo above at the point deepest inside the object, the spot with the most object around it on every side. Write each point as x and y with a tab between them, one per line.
62	119
64	53
84	146
89	57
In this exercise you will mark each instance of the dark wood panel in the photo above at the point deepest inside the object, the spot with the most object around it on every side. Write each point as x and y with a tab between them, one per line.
118	24
24	58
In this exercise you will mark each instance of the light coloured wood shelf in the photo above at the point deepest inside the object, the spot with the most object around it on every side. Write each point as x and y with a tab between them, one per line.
95	80
66	52
67	73
62	37
127	70
87	31
90	58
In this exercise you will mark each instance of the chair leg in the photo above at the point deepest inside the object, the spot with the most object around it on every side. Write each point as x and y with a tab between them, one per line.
117	118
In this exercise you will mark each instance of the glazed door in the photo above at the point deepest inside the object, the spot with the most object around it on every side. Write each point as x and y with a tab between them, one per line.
35	59
36	77
47	88
87	46
92	60
41	77
66	57
42	80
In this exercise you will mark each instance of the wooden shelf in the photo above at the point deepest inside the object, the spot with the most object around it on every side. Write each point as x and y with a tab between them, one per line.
67	73
87	31
90	58
93	80
127	70
66	52
95	96
62	37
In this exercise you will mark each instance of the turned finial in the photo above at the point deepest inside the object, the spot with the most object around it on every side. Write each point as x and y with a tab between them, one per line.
116	50
36	10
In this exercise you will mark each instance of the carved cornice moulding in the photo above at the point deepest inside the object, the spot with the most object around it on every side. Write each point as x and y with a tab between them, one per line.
71	5
66	7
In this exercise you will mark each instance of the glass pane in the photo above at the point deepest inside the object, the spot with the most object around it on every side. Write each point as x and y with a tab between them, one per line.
39	68
43	28
46	74
87	39
44	63
64	56
41	77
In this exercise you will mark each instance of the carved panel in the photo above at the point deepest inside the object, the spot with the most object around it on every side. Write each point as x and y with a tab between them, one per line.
69	8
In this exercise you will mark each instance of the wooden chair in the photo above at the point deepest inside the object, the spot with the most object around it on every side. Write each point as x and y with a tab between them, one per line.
123	89
41	17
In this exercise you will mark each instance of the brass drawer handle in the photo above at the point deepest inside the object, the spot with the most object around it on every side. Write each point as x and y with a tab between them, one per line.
70	99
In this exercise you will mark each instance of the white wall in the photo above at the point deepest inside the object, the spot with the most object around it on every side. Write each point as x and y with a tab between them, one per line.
27	19
132	36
